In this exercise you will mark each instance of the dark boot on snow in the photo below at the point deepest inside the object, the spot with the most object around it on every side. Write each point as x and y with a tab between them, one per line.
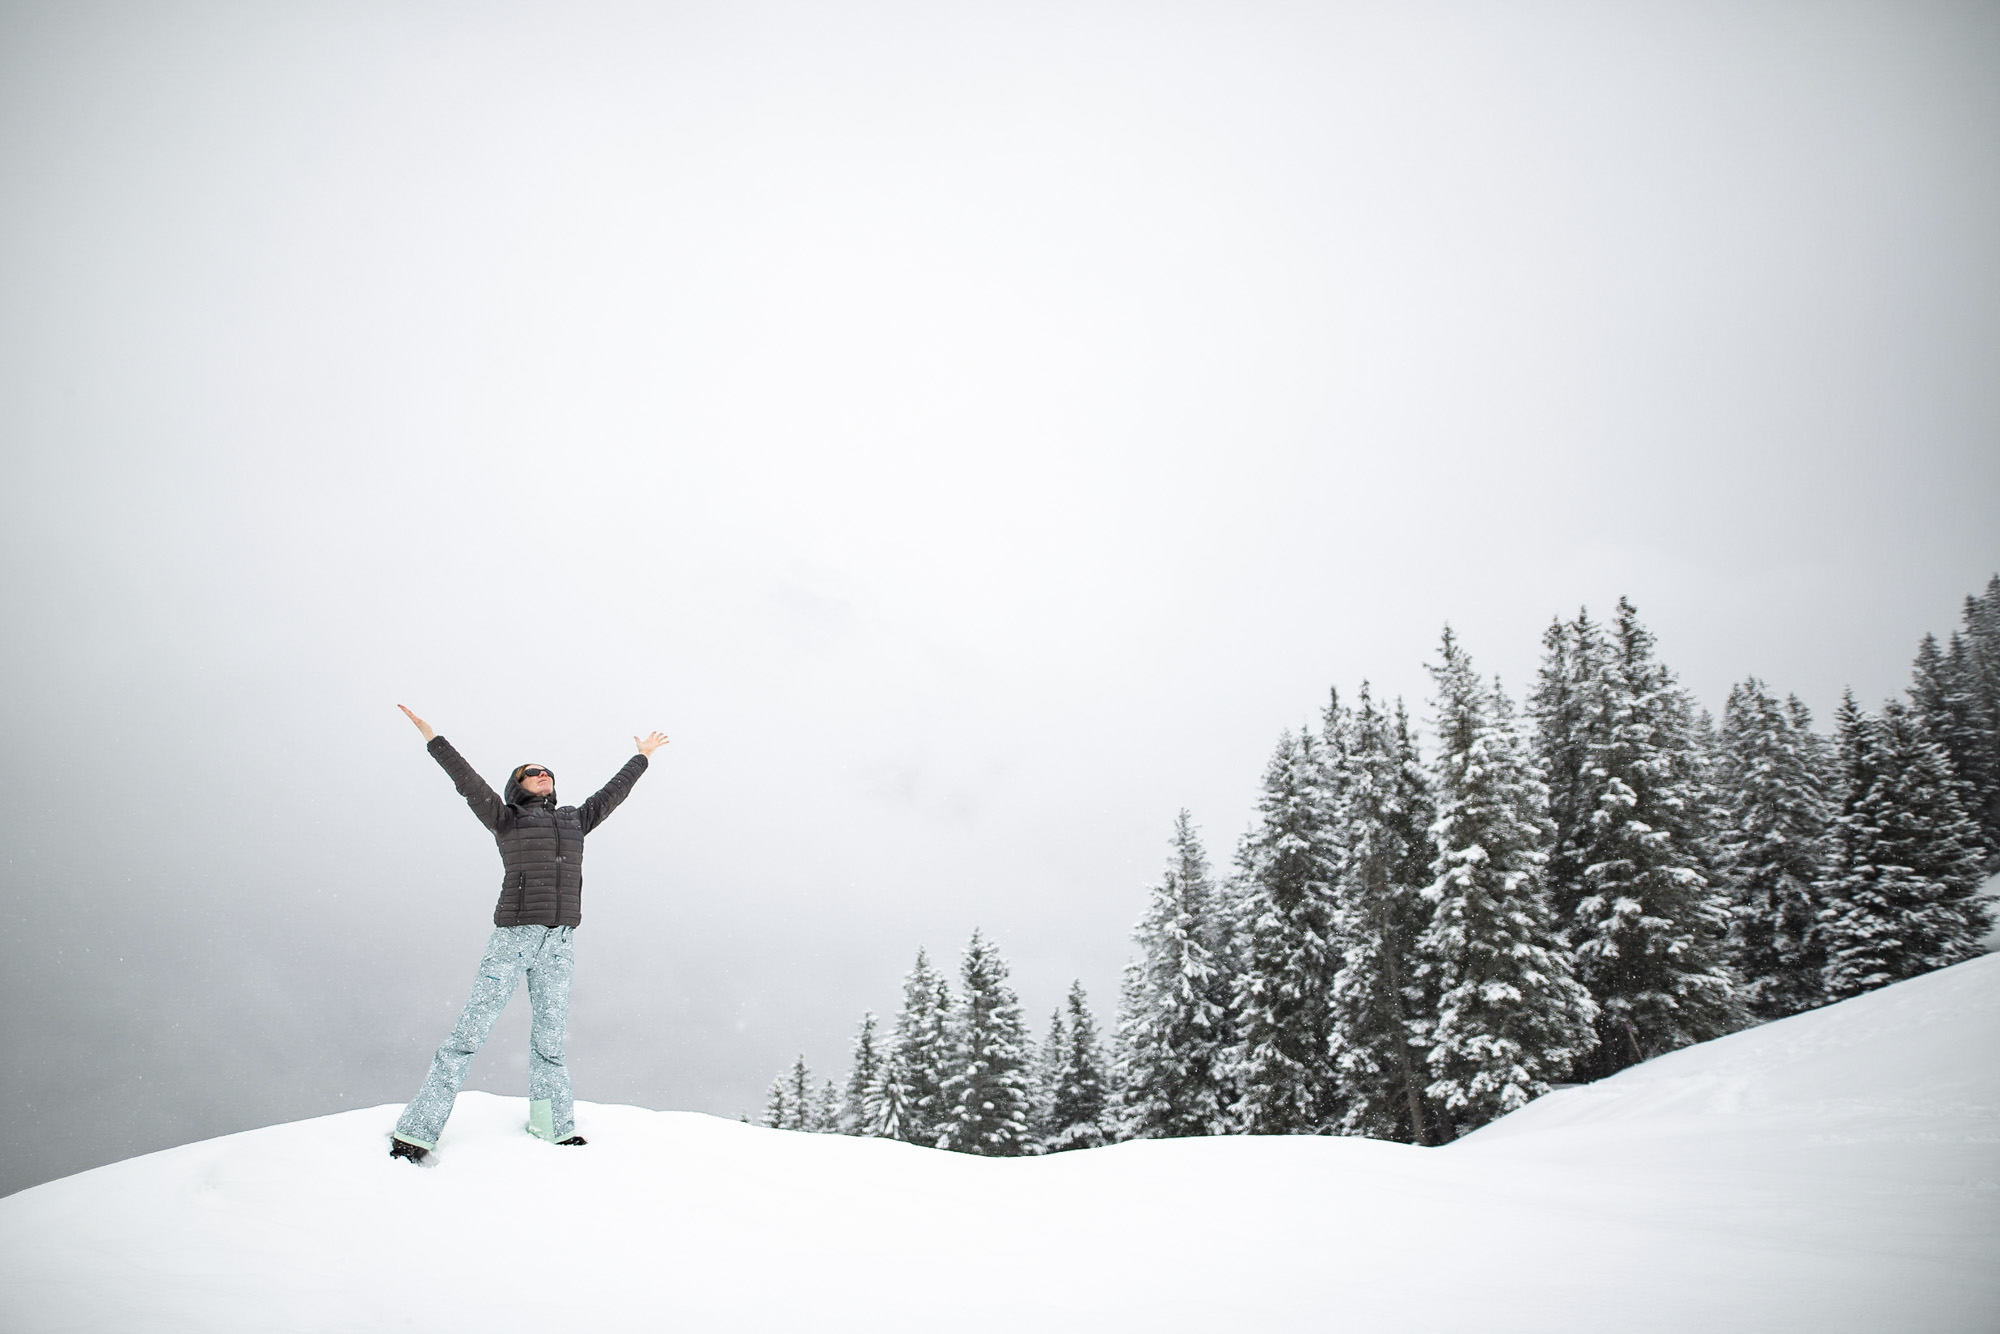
402	1148
573	1139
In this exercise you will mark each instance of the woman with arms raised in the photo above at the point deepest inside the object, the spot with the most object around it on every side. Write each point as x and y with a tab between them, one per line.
541	905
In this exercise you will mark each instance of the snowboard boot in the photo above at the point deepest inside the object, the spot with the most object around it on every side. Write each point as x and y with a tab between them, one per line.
573	1139
402	1148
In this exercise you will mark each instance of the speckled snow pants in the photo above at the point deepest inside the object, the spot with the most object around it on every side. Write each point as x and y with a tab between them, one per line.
543	955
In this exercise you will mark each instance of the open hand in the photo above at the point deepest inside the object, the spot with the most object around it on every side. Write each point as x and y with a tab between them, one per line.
425	727
652	742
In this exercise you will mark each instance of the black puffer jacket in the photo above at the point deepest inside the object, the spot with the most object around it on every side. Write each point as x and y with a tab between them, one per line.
541	843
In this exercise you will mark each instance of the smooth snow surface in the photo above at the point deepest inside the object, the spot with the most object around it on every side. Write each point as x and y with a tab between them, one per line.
1836	1171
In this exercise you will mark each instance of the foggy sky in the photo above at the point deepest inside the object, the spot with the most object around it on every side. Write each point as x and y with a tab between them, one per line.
971	432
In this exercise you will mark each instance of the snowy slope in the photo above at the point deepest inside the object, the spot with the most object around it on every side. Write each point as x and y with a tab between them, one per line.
1836	1171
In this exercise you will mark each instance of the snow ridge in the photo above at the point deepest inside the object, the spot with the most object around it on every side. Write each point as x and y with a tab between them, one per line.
1837	1170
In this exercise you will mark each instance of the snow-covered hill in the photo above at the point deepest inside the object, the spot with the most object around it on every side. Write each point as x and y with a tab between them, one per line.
1836	1171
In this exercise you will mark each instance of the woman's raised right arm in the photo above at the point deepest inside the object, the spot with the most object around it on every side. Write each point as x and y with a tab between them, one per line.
488	807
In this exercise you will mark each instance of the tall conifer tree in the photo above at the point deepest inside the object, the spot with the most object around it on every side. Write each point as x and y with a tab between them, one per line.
776	1113
1771	849
1511	1017
913	1073
1945	691
1382	1008
1902	882
1281	1064
987	1086
826	1110
1650	930
1820	751
888	1104
1079	1099
1240	903
1047	1067
1173	1022
1567	707
791	1104
1975	664
859	1111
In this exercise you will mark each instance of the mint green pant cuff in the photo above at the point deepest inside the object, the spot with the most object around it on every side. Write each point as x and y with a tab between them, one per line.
410	1139
541	1118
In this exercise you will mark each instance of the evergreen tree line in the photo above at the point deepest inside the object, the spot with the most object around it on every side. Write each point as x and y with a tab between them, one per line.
1407	947
960	1071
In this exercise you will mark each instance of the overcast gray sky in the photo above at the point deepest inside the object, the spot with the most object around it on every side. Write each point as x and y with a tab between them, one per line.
970	431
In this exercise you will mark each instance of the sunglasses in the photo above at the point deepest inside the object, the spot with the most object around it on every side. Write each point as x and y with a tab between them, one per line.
536	771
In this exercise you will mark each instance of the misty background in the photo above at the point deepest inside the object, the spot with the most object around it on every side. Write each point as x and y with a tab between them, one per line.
971	432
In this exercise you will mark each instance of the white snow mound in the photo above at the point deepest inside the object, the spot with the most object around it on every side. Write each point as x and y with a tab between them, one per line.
1835	1171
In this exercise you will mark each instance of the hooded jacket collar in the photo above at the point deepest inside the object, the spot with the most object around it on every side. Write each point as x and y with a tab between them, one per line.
519	797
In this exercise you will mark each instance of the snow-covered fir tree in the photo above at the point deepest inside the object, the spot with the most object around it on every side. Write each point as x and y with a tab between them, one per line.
1079	1099
987	1088
1770	849
1567	708
776	1113
1045	1072
912	1075
1946	690
1511	1016
1978	669
1650	931
800	1105
791	1104
1905	867
1710	803
826	1110
1238	903
859	1112
888	1106
1280	1063
1173	1023
1822	755
1382	1006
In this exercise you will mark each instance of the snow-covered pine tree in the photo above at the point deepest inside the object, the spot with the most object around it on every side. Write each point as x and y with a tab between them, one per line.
1770	849
1945	689
864	1078
1511	1017
1122	1117
790	1104
912	1074
1336	740
1079	1099
1902	880
1238	902
1711	804
1046	1073
1821	754
1173	1018
986	1089
888	1105
1978	669
1381	1007
826	1110
1649	934
776	1113
1982	621
801	1108
1280	1064
1567	707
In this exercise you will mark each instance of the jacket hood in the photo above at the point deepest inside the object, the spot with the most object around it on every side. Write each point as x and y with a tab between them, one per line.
516	795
